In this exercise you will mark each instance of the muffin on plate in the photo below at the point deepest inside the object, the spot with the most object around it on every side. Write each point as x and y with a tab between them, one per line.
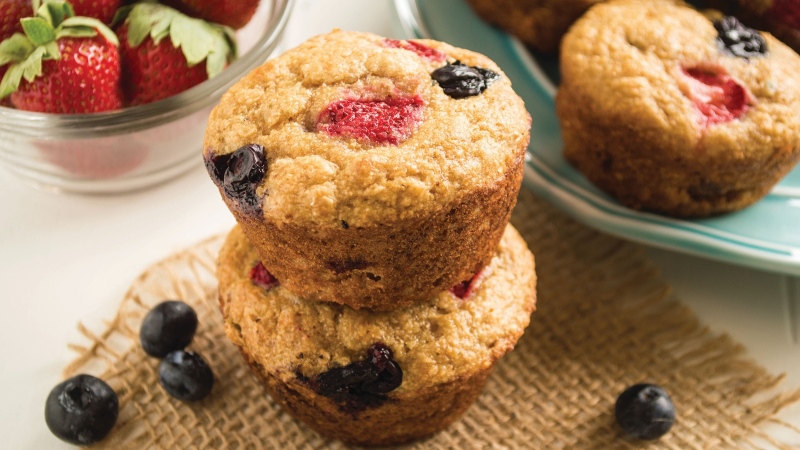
376	378
368	171
540	24
672	113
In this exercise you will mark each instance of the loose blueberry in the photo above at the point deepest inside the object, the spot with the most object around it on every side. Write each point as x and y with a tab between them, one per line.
361	384
240	173
81	410
262	277
645	411
185	376
738	40
168	327
460	81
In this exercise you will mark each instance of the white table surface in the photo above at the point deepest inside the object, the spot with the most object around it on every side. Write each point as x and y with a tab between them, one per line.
70	258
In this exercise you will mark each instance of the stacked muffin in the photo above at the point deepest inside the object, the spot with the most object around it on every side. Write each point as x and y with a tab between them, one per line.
373	280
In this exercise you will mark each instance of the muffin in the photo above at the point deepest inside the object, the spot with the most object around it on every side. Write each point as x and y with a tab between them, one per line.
540	24
376	378
671	113
368	171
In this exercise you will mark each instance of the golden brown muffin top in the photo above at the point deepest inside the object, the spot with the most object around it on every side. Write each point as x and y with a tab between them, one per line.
454	145
433	342
629	60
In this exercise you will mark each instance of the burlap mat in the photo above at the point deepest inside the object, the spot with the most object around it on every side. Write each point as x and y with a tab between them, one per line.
605	320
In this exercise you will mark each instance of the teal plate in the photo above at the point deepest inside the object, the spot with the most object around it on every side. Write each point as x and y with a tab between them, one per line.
764	236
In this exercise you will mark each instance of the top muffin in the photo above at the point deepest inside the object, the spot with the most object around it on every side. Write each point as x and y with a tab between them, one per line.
350	152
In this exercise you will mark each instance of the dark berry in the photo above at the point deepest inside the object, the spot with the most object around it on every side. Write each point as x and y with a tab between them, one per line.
361	384
460	81
261	276
185	376
645	411
738	40
81	410
239	173
386	121
168	327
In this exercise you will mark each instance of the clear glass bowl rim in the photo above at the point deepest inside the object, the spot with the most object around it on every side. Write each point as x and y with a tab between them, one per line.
43	125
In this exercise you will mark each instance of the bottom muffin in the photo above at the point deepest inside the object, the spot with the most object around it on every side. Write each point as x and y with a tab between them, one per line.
376	378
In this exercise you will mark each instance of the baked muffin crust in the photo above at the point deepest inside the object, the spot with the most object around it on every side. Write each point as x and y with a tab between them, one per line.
445	347
372	224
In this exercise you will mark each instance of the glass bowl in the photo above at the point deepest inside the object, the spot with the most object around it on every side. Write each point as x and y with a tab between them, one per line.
135	147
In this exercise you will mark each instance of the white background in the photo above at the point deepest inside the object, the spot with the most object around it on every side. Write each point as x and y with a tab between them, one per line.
69	258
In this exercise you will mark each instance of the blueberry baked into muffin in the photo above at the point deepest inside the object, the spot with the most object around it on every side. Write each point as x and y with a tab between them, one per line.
540	24
376	378
672	113
368	171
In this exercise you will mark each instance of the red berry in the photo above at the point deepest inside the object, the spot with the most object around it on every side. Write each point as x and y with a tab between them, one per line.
102	10
152	72
465	289
424	51
10	13
98	158
785	11
261	276
233	13
84	80
388	121
716	96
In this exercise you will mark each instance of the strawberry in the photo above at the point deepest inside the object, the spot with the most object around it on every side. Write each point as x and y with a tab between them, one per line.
70	64
233	13
102	10
786	12
155	67
11	11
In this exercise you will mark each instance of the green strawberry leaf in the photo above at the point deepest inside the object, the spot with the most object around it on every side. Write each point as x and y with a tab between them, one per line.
121	15
15	48
11	81
76	32
32	66
194	41
51	50
38	30
92	23
198	40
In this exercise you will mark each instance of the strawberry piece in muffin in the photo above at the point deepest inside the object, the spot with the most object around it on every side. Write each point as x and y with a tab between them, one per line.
717	97
422	50
388	121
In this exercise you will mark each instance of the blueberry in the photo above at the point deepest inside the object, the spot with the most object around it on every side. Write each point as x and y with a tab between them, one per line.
645	411
738	40
168	327
81	410
185	376
459	80
362	383
239	173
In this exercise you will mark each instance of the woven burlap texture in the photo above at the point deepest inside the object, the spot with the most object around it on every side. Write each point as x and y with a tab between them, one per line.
605	320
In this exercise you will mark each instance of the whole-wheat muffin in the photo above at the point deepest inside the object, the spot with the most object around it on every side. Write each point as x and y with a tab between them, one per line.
368	171
538	23
672	113
376	378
